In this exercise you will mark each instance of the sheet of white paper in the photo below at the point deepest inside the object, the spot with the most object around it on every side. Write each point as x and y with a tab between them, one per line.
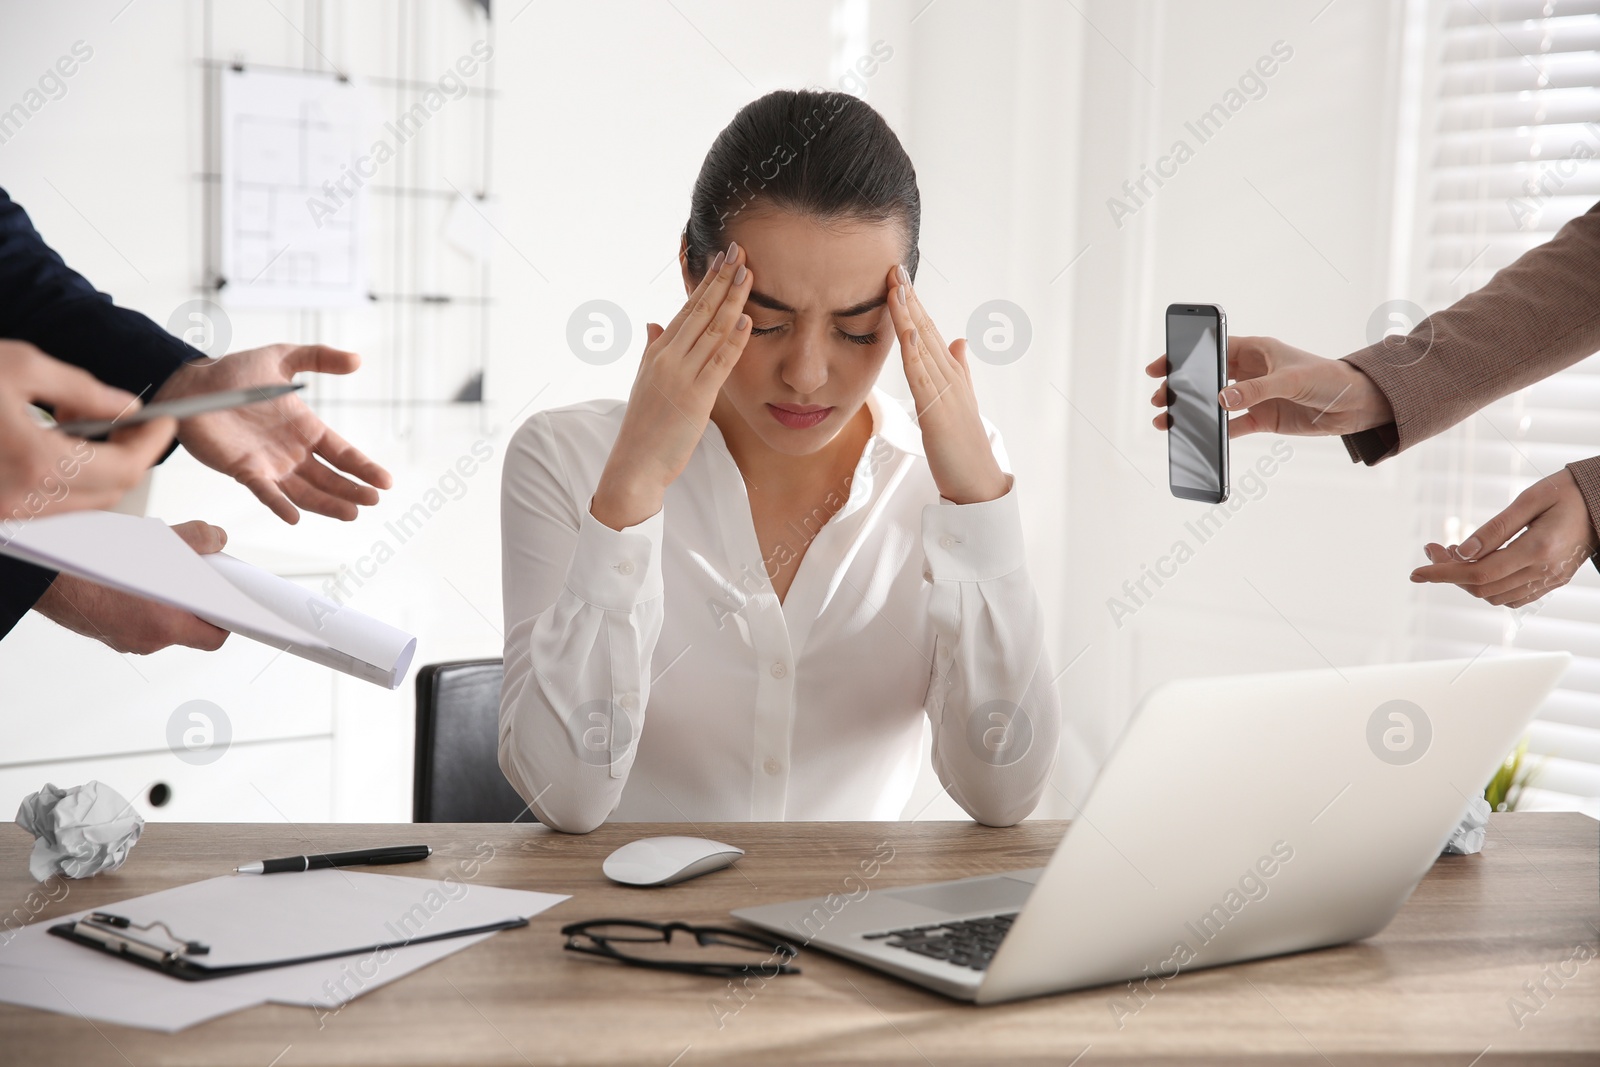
112	1000
114	990
293	915
358	644
291	219
285	907
111	990
144	557
469	228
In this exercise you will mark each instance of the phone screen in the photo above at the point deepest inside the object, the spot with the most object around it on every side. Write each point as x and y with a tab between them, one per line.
1197	444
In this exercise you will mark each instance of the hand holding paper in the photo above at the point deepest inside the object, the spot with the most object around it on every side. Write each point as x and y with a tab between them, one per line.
143	557
129	623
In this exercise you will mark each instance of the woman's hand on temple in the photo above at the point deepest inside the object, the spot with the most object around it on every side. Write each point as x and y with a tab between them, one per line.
680	374
963	464
1282	389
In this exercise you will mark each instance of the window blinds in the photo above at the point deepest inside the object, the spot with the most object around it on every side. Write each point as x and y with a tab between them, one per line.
1511	151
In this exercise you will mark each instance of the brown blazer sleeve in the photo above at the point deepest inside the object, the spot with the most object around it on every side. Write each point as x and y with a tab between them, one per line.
1535	317
1586	472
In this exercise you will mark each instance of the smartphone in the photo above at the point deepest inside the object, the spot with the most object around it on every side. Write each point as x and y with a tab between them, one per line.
1197	369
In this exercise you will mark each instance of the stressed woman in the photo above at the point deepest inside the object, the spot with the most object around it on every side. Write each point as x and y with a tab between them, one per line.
749	590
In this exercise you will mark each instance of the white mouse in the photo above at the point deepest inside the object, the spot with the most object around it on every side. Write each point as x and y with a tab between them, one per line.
665	860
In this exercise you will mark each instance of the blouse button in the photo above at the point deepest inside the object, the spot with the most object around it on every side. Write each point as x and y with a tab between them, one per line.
947	541
779	670
629	702
625	567
772	766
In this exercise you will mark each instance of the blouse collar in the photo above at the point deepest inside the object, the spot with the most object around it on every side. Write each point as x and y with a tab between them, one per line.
892	422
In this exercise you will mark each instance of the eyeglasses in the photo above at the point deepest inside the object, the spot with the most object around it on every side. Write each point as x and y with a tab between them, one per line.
724	953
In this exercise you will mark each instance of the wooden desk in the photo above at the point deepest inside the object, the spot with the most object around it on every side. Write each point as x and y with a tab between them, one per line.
1432	988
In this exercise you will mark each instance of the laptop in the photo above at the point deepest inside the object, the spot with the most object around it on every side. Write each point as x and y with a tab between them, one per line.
1236	818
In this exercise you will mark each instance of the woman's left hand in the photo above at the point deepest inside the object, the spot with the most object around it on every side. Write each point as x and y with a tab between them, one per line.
1557	538
963	464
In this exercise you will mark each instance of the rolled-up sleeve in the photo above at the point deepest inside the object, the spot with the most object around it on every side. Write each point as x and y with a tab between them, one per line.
583	609
996	718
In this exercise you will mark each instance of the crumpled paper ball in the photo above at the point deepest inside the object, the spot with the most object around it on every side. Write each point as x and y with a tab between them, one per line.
1468	837
81	831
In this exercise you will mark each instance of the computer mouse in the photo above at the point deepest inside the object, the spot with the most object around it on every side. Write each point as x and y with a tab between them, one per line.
654	861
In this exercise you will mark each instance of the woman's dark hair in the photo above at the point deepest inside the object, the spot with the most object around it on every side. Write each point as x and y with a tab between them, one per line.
826	155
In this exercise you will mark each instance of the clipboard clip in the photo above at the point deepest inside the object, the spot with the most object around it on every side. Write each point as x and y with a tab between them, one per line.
109	930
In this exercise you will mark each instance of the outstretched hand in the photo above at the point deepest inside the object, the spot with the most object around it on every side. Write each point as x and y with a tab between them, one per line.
1282	389
278	449
1554	536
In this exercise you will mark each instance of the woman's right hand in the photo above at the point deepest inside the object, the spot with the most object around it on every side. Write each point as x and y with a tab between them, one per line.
680	374
1283	389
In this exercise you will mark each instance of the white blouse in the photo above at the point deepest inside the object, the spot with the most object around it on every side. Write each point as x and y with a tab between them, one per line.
651	673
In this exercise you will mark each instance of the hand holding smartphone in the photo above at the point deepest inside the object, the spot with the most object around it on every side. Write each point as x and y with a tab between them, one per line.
1197	369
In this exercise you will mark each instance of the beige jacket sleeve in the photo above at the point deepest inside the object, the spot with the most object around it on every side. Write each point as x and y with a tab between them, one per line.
1535	317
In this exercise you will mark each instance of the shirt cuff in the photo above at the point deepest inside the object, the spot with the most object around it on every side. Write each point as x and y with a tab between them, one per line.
21	586
616	570
1369	446
1420	392
973	542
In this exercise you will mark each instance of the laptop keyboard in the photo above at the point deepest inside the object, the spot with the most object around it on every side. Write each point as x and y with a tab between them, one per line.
967	943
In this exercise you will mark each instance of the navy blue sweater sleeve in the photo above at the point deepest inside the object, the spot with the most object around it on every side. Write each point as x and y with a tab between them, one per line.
48	304
52	307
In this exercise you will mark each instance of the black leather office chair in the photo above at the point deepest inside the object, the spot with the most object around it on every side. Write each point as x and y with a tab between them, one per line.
458	775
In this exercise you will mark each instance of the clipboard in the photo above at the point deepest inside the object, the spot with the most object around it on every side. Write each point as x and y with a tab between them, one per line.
176	958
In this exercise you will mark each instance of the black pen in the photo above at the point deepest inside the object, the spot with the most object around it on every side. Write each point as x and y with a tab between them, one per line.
360	857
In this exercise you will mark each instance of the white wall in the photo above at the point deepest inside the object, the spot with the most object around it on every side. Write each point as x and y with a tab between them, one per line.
1022	118
1283	218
